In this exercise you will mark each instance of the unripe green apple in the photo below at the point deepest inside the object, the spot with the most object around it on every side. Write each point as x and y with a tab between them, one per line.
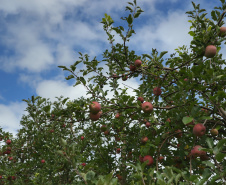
214	132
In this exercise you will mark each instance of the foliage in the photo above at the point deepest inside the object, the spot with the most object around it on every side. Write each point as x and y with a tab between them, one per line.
75	149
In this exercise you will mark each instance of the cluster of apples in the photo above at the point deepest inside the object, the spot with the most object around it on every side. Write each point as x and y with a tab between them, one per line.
95	111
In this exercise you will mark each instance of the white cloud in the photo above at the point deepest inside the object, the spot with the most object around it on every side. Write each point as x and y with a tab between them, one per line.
11	115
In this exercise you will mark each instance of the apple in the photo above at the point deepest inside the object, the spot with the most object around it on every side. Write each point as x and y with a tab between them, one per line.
51	131
214	132
179	135
115	76
95	117
82	137
13	177
117	138
95	107
132	68
148	124
0	138
124	77
157	91
43	161
144	139
199	130
107	132
178	145
117	115
147	107
210	51
119	177
185	79
141	99
8	142
168	120
10	158
137	63
103	128
149	159
222	31
141	158
0	177
118	150
63	125
196	152
161	158
83	164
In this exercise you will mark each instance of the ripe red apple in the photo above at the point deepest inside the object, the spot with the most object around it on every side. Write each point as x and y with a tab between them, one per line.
141	99
199	130
210	51
8	142
168	120
83	164
117	115
137	63
214	132
51	131
124	77
222	31
147	107
95	117
119	177
10	158
118	150
132	67
157	91
148	124
43	161
13	177
144	139
82	137
141	158
179	135
107	132
63	125
95	107
185	79
115	76
161	158
149	159
196	152
103	128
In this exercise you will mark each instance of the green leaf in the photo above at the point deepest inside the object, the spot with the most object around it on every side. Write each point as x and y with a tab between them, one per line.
63	142
129	8
187	120
90	175
162	54
69	77
210	142
220	156
130	19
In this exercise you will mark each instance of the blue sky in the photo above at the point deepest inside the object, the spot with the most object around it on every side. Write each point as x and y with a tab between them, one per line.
36	36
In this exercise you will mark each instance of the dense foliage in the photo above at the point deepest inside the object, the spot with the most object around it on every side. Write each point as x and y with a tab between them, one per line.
171	132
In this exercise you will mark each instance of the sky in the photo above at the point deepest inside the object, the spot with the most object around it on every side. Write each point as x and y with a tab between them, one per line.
37	36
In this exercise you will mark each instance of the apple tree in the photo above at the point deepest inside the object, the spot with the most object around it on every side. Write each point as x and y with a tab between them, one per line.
170	131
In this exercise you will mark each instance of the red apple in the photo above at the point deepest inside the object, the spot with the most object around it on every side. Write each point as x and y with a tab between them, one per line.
222	31
137	63
43	161
13	177
115	76
0	177
117	115
124	77
147	107
144	139
199	130
95	117
95	107
51	131
168	120
63	125
185	79
118	150
161	158
149	159
103	128
10	158
179	135
196	152
107	132
157	91
83	164
214	132
141	99
141	158
132	67
148	124
82	137
8	142
119	177
210	51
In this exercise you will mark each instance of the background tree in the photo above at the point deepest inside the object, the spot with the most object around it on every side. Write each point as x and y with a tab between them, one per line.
171	132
